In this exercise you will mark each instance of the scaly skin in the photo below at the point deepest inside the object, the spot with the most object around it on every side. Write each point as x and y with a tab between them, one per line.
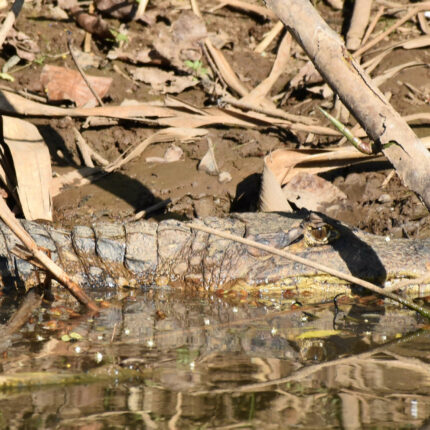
147	252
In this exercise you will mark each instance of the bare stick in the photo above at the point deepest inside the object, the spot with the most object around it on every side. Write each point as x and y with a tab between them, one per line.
347	277
195	8
420	7
141	8
88	36
277	28
10	19
88	153
372	25
84	77
32	301
152	208
277	113
358	93
359	20
56	271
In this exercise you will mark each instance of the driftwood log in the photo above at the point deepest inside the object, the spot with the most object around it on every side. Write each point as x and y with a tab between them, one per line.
355	89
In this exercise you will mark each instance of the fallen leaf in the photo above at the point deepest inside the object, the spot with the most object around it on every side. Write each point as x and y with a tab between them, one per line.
75	178
416	43
283	165
163	82
66	84
32	167
137	56
312	192
26	48
181	41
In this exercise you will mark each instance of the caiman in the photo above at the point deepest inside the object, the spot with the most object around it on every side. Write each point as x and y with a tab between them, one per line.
170	252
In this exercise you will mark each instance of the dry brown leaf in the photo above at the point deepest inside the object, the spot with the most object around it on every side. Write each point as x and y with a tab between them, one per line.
379	80
26	48
286	163
32	165
66	84
137	56
312	192
419	42
163	82
307	75
282	165
271	197
86	59
246	6
11	103
181	42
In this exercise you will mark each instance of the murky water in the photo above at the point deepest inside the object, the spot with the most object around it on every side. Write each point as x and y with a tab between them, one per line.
164	360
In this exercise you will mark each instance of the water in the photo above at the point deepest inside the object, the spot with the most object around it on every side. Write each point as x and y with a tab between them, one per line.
167	360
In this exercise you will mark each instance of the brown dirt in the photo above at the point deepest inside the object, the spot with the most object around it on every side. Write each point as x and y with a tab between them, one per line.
391	210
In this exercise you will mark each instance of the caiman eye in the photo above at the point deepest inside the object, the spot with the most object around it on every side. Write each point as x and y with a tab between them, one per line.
320	233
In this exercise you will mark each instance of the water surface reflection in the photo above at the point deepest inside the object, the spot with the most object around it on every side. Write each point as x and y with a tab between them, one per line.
165	360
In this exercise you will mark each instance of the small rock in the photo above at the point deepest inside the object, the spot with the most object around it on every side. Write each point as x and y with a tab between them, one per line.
204	207
224	177
385	198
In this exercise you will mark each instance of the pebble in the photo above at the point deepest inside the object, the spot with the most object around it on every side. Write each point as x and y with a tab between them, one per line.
385	198
224	177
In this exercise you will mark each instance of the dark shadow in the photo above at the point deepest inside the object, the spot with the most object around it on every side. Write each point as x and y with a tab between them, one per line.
347	10
247	194
362	261
360	258
364	166
55	143
128	189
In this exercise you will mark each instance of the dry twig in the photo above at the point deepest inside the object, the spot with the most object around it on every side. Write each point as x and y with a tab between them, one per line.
419	7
